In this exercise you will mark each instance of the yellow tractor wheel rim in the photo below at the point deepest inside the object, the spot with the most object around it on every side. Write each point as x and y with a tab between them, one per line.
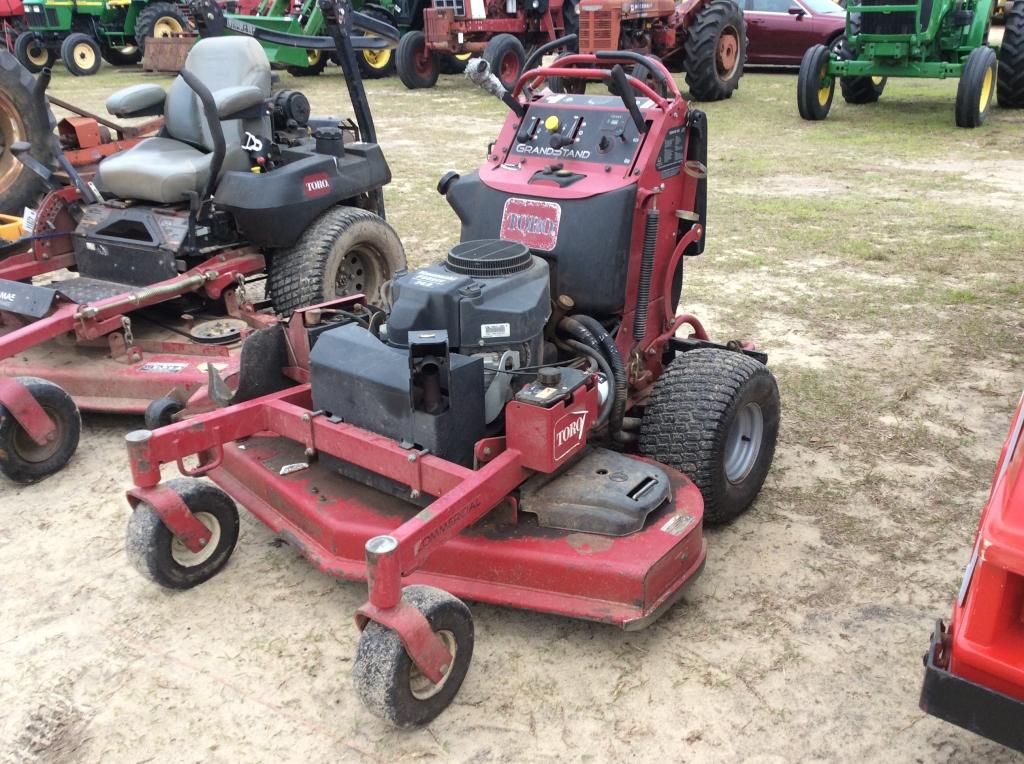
463	56
986	90
84	55
377	59
313	57
876	81
167	26
824	91
12	129
38	55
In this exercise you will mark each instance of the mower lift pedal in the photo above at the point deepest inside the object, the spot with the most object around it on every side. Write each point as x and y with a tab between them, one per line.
26	299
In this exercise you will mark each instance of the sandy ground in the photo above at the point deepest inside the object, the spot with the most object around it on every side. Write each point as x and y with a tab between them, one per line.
801	642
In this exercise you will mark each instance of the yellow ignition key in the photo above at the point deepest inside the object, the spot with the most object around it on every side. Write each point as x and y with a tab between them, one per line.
551	123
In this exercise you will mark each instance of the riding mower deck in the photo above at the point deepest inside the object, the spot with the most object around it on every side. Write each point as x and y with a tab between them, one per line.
974	669
520	425
165	249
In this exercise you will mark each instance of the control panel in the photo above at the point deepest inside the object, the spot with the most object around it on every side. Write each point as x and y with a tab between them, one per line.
580	128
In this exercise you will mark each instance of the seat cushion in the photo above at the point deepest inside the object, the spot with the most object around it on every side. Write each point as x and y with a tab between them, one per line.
157	170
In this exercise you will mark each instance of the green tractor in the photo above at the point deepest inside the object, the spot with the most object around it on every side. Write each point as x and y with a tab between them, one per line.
926	38
82	32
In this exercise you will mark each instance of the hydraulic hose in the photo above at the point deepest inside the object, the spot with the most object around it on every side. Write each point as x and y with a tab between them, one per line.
595	355
590	332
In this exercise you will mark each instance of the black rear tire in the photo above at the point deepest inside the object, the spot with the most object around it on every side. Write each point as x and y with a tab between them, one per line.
376	65
454	64
976	88
389	683
815	88
22	118
317	62
159	20
344	251
715	51
1010	92
81	54
21	458
155	552
714	416
418	66
31	54
856	90
505	56
572	85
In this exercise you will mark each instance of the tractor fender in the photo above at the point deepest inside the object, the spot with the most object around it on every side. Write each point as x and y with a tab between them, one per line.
977	34
389	12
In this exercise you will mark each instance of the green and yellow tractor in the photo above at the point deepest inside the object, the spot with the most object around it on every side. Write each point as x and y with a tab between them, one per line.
84	32
926	38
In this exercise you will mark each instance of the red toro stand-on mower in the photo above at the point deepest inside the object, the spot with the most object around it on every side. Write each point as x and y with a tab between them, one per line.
974	669
521	425
240	183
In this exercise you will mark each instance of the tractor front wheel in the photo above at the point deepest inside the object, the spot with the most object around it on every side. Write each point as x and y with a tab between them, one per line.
418	66
505	56
977	85
316	60
81	54
344	251
129	55
377	64
715	51
160	20
714	416
21	458
1010	91
32	54
161	557
385	677
815	87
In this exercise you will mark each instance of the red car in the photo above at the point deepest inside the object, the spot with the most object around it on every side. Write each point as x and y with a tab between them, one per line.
780	31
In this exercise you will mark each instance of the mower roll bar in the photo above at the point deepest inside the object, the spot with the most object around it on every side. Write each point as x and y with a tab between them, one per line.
216	128
563	68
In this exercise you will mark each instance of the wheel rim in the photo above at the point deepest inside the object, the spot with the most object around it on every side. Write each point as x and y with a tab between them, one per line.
876	81
377	59
358	273
420	686
422	60
463	56
37	55
84	55
12	129
986	90
727	53
743	445
167	26
184	556
29	451
508	69
313	57
825	89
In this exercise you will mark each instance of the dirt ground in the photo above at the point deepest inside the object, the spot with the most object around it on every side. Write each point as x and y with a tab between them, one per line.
875	256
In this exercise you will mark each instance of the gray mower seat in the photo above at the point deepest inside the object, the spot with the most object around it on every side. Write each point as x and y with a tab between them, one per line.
165	169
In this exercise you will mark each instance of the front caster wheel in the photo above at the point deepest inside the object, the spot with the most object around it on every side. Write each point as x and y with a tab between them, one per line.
21	458
389	683
161	412
815	87
158	555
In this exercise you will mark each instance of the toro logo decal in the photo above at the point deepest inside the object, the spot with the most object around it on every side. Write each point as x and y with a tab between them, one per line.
570	432
532	223
316	185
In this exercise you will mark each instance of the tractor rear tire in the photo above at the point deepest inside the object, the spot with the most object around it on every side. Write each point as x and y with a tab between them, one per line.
31	54
377	64
505	56
715	51
1010	90
159	20
21	458
454	63
387	681
81	54
344	251
317	61
159	556
572	85
418	66
714	416
22	118
861	90
129	55
977	85
815	89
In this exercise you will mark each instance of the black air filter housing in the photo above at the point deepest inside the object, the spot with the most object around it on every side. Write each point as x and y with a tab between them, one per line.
489	296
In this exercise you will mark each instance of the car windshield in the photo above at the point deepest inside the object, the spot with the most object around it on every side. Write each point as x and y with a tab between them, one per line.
822	6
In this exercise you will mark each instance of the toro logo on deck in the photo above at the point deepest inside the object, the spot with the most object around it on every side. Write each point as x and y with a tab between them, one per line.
316	185
570	432
532	223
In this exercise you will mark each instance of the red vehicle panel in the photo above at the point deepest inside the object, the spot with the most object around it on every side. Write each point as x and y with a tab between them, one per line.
780	31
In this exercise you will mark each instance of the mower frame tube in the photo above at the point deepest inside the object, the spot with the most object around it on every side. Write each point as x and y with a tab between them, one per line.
174	513
26	411
213	122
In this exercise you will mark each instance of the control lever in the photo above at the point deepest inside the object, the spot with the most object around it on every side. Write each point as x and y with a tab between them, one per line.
478	70
628	97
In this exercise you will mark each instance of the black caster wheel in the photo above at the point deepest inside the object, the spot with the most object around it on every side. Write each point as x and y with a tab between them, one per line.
159	556
21	458
161	412
389	683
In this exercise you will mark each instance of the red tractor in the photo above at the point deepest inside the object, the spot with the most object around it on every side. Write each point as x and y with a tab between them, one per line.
499	30
12	21
706	38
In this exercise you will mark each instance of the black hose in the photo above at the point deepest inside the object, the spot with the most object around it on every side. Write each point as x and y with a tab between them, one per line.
590	332
643	292
589	352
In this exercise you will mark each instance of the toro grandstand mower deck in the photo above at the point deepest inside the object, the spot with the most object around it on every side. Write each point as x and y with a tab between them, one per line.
520	425
171	233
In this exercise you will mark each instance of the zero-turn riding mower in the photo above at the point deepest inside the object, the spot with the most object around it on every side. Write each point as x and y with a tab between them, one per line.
240	182
974	668
520	425
923	38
